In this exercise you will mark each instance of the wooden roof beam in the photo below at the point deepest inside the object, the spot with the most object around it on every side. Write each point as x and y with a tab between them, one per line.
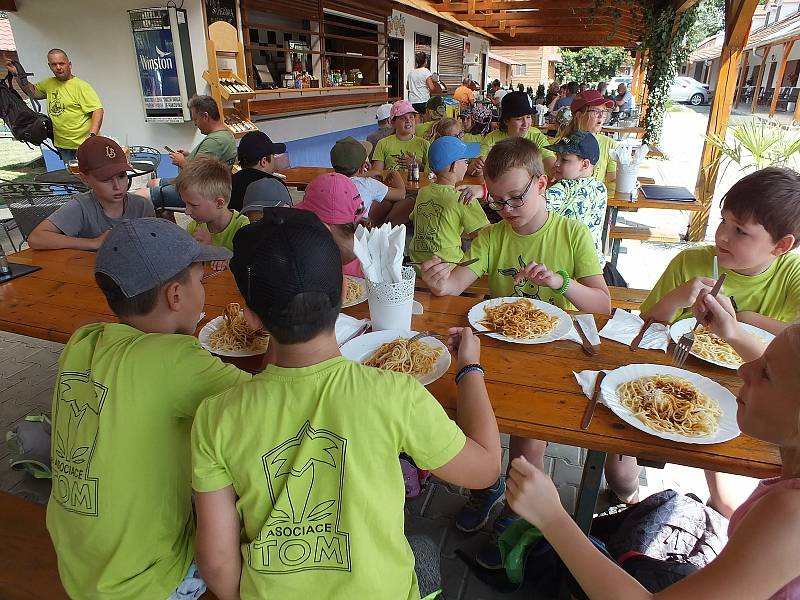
519	19
523	39
681	6
492	5
566	29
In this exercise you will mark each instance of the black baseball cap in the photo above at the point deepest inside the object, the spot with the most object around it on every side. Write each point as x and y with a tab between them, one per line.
580	143
256	145
515	104
287	253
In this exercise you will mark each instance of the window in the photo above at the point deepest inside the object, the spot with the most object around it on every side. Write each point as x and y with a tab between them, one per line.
450	63
354	50
520	69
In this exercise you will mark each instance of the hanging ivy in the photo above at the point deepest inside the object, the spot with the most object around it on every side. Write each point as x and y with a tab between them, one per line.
666	52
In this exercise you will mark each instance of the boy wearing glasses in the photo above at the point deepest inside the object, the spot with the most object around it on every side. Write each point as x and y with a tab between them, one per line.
439	216
531	253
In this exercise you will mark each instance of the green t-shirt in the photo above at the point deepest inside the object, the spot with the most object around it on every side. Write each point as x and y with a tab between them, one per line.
584	199
440	219
470	138
312	456
533	135
120	511
70	105
775	293
225	237
217	144
423	128
390	147
605	164
560	244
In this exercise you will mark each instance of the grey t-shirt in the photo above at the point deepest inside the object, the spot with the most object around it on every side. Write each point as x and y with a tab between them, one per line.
265	193
83	216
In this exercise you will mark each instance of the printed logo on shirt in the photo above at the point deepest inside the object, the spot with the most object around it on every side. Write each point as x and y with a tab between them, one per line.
305	475
55	106
76	420
523	289
427	217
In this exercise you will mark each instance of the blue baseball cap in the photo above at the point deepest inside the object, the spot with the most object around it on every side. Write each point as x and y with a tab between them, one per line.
580	143
448	149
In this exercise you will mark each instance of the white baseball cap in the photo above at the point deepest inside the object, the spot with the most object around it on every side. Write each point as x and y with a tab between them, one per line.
384	112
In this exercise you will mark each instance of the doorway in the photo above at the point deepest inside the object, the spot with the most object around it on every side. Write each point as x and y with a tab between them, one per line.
395	76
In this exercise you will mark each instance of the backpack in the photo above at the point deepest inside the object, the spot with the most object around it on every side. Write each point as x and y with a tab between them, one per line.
27	125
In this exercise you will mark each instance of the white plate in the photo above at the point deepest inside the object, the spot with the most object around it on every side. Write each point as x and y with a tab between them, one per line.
562	328
363	295
364	346
727	430
210	328
685	326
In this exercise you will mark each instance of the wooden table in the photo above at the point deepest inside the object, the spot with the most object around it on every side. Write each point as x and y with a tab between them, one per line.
532	387
300	177
65	176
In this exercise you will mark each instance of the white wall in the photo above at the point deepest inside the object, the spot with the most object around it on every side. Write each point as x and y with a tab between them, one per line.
416	25
479	46
97	36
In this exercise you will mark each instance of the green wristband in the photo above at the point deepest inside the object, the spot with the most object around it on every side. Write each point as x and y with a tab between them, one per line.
565	276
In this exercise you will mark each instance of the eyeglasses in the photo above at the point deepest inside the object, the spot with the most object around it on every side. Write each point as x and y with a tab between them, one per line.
512	202
598	112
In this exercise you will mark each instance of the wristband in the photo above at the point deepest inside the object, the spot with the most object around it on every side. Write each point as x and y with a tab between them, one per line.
485	191
565	276
468	369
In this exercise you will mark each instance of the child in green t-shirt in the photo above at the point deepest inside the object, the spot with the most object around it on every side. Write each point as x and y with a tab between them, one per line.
404	148
753	245
298	487
440	217
120	511
531	253
205	186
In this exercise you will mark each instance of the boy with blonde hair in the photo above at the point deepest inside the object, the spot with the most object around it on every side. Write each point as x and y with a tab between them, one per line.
205	186
120	512
440	217
531	253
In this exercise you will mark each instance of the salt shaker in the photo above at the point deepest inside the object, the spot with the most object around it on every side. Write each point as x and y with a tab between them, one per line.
5	270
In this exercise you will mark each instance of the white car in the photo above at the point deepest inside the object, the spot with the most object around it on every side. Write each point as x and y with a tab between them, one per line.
615	81
687	89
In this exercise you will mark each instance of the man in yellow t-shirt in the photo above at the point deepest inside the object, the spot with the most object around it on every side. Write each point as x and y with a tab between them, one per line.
404	148
298	488
120	511
72	103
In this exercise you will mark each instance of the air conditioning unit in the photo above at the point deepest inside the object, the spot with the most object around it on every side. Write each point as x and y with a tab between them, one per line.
472	59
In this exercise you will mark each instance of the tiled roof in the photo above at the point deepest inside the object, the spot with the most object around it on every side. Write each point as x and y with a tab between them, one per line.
774	33
6	37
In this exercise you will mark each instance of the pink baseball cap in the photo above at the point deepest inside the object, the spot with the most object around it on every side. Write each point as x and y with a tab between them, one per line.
589	98
334	199
400	108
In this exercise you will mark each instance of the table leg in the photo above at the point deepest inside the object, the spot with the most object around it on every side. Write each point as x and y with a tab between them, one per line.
589	489
611	220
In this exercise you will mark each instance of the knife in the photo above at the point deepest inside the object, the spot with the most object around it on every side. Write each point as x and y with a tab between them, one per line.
638	339
587	347
357	333
589	413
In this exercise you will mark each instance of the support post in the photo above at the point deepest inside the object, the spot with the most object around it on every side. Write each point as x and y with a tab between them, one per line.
742	77
738	16
637	75
757	90
787	48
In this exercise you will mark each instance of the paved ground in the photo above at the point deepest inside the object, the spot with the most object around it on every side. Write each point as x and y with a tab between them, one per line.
28	367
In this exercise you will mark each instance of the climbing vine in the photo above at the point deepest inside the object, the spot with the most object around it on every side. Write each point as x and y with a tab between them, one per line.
666	52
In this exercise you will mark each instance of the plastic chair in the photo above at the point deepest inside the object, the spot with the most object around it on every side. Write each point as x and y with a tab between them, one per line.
145	154
32	203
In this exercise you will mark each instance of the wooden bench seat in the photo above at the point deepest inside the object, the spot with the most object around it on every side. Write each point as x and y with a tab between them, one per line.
642	234
29	568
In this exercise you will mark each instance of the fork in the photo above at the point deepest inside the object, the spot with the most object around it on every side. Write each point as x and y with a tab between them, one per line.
464	263
686	341
441	336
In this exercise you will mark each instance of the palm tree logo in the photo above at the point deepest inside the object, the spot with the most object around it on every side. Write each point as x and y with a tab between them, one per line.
304	475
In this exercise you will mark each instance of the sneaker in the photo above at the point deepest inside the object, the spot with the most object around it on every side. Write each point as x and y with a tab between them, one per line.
489	556
476	511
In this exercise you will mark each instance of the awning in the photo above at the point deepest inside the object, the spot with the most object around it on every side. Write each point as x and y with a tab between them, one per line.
503	59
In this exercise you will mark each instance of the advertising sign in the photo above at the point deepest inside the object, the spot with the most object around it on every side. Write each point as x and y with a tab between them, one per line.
156	61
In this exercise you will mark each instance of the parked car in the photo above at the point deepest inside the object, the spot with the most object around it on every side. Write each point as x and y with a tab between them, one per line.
613	84
688	89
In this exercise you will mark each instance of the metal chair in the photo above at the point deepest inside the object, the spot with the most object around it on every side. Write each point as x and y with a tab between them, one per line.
145	154
31	203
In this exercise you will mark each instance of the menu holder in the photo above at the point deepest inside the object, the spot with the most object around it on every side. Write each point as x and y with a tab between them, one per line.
18	270
667	192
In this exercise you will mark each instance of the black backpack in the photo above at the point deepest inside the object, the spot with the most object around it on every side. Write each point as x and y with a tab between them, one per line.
27	125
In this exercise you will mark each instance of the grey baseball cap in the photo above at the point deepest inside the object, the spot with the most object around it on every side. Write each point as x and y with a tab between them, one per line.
142	254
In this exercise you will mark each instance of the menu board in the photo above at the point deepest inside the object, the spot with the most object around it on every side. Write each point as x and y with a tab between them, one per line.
221	10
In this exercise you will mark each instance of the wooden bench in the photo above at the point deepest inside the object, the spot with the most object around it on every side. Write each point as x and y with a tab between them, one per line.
642	234
28	568
621	297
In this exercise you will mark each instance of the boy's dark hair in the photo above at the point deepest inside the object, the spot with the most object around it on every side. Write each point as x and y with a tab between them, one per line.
141	304
305	317
249	164
771	198
572	87
513	153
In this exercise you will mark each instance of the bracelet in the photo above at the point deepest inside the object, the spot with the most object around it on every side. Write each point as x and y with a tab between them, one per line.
485	191
468	369
565	276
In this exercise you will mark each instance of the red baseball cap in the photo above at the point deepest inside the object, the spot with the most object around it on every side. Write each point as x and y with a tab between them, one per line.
590	98
334	199
101	157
